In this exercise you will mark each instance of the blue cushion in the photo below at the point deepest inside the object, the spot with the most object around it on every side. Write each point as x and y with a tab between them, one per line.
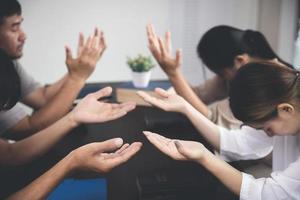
78	189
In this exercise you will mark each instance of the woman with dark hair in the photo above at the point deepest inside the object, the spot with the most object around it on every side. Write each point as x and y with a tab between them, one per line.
266	97
223	49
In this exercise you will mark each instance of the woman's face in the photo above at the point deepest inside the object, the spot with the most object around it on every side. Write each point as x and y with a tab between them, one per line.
287	122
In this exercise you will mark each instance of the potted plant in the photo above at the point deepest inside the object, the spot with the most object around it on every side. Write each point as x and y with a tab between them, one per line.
141	70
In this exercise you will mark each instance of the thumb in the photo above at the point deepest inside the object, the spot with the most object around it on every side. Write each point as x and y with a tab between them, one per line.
181	149
108	145
161	92
103	92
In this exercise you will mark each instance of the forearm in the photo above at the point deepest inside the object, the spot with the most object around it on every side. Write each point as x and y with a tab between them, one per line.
183	88
32	147
229	176
51	90
206	128
42	186
56	108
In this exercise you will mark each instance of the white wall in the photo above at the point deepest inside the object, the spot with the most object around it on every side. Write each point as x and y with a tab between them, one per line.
51	24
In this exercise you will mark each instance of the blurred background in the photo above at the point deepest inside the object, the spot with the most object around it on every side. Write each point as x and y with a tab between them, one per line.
50	25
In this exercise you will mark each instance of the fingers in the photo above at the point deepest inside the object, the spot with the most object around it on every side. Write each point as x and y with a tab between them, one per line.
128	106
126	154
116	114
152	100
162	47
168	42
178	57
68	53
181	148
156	141
108	145
122	148
161	92
80	44
102	92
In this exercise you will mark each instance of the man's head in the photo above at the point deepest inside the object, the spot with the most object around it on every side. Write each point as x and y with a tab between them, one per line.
12	37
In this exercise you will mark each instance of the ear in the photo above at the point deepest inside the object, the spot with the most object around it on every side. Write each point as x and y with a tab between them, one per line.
285	109
241	60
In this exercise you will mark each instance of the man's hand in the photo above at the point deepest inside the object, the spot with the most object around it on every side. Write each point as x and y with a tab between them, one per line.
103	156
91	110
88	54
162	51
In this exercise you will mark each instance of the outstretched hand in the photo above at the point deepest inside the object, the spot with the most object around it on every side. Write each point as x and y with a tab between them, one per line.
162	51
103	156
166	100
177	149
91	110
88	54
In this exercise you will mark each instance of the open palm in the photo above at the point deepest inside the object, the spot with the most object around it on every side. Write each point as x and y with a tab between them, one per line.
91	110
162	51
104	156
177	149
165	100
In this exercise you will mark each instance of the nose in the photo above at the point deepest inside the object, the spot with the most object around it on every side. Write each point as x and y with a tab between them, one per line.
23	36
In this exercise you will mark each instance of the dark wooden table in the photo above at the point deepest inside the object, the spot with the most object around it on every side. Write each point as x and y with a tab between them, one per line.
149	175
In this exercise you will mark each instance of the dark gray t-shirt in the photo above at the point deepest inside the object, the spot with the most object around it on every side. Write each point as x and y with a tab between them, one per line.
11	117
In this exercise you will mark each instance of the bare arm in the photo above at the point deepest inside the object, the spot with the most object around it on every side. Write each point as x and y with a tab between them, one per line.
80	68
195	151
175	103
42	95
89	157
32	147
89	110
162	52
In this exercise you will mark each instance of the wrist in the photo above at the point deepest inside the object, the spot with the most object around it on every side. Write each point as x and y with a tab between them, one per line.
77	80
71	120
187	109
173	74
69	163
205	158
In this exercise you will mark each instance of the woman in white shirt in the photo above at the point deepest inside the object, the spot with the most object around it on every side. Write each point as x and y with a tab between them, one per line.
264	96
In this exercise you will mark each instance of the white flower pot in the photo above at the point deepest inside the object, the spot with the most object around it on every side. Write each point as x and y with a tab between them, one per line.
141	79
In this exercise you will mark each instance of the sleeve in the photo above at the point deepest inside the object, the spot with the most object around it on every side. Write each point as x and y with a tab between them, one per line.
11	117
220	114
281	185
244	144
28	83
212	90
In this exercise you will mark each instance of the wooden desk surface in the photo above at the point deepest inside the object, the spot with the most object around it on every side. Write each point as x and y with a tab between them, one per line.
122	181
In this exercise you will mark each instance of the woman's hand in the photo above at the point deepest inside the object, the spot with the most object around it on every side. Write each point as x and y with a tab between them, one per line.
162	52
166	100
177	149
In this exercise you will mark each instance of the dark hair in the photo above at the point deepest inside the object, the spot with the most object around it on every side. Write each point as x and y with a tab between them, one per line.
258	88
9	8
10	87
221	44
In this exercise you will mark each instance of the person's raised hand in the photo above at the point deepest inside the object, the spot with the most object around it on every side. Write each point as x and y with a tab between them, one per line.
162	51
88	54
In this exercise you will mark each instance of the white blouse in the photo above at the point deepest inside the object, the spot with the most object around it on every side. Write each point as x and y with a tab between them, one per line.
248	143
